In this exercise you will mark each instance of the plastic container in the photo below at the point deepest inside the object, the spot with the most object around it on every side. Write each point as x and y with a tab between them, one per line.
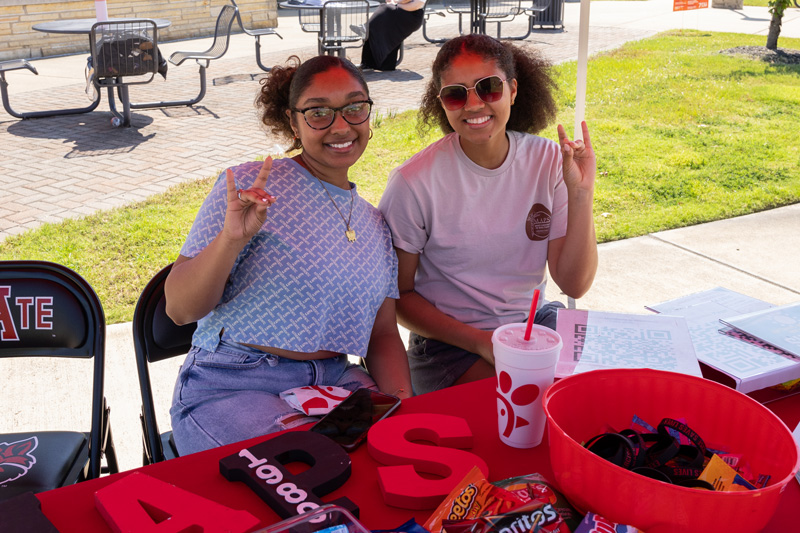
329	518
579	406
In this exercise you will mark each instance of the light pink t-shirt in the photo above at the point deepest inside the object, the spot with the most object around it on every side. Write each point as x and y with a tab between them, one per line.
482	234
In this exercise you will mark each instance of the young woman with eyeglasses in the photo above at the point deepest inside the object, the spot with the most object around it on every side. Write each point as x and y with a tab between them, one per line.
478	216
287	270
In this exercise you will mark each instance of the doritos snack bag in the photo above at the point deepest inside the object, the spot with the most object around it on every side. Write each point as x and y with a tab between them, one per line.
536	487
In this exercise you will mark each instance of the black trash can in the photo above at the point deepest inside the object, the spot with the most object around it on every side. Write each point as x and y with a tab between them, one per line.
552	17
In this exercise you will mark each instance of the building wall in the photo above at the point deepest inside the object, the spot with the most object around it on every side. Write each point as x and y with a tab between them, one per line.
190	18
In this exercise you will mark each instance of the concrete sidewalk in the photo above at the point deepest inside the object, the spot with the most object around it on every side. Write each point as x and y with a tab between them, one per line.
88	165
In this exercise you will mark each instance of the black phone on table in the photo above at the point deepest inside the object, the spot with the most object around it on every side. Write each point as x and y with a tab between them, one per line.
348	423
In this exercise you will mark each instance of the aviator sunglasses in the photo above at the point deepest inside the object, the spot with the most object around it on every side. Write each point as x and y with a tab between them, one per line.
488	89
320	118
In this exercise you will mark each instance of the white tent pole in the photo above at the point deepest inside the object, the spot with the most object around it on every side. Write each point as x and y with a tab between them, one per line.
583	58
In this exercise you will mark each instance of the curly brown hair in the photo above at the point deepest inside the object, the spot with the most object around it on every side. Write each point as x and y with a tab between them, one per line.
535	106
282	87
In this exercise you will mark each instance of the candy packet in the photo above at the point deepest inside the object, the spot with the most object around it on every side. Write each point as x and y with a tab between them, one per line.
410	526
471	498
594	523
723	477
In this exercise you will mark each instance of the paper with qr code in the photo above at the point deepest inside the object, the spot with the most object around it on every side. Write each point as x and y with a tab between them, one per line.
751	367
595	339
778	326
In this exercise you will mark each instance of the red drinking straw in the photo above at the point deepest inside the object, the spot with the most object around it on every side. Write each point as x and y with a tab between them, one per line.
530	315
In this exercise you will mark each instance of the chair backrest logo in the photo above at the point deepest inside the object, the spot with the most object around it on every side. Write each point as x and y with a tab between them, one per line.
16	458
34	312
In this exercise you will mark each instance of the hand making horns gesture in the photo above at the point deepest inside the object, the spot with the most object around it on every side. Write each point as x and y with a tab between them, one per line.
247	208
580	165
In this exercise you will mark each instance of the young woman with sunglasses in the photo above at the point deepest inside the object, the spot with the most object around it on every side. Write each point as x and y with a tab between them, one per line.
286	270
478	216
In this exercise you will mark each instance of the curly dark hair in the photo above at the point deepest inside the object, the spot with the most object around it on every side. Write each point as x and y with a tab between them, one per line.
535	106
282	87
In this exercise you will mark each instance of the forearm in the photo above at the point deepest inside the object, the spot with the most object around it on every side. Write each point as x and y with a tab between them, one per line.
423	318
387	363
577	261
195	286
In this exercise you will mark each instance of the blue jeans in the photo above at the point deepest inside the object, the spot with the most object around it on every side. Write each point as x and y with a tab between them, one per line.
232	394
436	365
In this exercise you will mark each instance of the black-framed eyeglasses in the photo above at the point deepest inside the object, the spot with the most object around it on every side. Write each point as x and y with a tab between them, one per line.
354	113
488	89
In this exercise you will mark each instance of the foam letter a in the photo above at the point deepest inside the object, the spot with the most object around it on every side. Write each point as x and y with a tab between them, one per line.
145	504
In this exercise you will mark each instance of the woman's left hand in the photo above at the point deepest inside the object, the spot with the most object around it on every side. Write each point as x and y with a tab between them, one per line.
579	163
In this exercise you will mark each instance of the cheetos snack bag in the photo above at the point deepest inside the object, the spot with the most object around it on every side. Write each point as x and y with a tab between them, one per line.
471	498
536	487
531	517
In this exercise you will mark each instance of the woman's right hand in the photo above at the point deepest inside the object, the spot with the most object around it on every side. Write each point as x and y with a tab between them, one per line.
247	208
484	346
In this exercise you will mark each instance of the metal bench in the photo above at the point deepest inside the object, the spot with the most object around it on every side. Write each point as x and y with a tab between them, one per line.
429	12
19	64
460	8
500	11
535	11
123	53
344	25
222	38
257	33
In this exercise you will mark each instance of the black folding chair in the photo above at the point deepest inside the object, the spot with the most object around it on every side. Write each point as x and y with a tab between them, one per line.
156	338
47	310
257	33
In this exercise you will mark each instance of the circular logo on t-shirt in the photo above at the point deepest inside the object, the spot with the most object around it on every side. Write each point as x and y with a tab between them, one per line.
537	225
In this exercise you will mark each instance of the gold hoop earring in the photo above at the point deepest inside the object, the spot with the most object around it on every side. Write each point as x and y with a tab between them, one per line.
297	142
371	133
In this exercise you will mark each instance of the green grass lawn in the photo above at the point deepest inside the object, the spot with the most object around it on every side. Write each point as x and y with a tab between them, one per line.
683	134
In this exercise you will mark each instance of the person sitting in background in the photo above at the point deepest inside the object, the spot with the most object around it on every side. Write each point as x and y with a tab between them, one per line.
284	284
387	28
478	216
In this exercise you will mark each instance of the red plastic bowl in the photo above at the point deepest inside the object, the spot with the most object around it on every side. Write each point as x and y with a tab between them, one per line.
579	406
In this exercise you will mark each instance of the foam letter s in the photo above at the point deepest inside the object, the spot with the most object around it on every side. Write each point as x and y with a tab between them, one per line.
391	442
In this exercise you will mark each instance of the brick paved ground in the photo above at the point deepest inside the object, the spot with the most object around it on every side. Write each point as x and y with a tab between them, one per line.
62	167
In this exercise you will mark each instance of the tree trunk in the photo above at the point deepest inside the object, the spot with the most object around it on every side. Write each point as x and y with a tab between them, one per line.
774	31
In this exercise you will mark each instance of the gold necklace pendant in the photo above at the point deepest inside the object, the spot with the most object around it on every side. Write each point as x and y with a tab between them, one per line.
350	233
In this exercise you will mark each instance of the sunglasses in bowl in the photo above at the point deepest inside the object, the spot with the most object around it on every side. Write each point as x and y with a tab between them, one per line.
488	89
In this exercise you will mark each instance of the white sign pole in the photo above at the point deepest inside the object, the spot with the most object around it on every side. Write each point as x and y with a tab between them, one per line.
101	10
583	58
